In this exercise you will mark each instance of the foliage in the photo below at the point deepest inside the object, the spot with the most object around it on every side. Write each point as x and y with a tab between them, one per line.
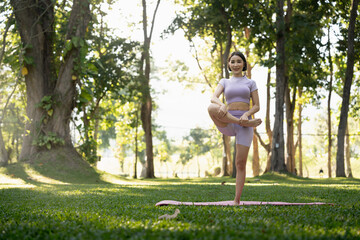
107	76
164	149
198	142
48	140
13	119
119	211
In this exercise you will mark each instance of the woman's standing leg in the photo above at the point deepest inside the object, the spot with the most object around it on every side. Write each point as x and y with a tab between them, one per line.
241	159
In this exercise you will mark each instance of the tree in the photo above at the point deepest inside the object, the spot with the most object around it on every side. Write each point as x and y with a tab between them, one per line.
218	21
199	144
340	169
277	148
329	103
4	155
265	50
267	146
128	135
303	31
51	76
164	149
146	107
109	74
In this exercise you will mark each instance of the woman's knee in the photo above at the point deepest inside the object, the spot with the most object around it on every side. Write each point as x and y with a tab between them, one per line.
240	164
213	108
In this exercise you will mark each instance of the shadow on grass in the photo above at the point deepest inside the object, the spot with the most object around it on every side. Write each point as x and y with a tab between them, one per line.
60	166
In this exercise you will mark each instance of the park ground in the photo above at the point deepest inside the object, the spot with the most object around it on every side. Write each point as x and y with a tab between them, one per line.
49	200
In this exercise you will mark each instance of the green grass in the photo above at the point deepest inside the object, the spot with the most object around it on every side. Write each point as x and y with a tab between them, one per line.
32	207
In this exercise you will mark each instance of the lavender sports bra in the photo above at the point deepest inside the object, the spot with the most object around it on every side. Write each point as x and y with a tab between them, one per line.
238	89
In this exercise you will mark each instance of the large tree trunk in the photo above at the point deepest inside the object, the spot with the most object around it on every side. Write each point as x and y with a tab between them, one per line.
329	105
340	169
277	147
35	24
146	108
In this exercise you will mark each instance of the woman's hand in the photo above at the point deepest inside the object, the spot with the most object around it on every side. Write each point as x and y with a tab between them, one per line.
222	111
244	119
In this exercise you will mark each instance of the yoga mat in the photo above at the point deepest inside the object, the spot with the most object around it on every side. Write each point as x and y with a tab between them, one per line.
231	203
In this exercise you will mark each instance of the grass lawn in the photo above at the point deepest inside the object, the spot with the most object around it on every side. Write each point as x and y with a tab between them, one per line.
34	207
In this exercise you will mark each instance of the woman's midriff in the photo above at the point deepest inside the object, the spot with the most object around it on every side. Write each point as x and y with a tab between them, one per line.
242	106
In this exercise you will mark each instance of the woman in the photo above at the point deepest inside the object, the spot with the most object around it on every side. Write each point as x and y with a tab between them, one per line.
235	119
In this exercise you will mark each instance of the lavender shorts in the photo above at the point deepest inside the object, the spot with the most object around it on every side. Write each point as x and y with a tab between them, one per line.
243	135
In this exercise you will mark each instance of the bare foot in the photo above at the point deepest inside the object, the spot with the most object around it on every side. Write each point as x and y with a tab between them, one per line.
236	202
252	123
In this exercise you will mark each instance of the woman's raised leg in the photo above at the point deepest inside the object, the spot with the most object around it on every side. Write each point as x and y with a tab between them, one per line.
213	110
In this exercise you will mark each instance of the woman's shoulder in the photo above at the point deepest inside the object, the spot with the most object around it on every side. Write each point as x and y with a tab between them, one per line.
249	79
223	81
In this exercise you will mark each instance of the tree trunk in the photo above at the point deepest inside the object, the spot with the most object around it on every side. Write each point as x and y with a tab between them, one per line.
277	147
255	162
347	153
146	108
255	158
136	141
226	156
267	123
329	106
3	153
300	135
227	147
290	103
35	21
290	108
233	174
340	170
267	120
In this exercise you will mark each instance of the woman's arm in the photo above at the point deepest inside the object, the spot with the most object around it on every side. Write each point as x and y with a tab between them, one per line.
256	104
215	98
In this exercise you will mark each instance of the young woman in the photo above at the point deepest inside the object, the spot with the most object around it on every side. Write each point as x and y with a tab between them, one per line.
234	119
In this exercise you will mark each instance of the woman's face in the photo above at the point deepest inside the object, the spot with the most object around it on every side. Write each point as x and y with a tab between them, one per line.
236	64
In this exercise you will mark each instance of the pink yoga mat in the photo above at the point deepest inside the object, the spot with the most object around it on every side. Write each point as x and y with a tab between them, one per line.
231	203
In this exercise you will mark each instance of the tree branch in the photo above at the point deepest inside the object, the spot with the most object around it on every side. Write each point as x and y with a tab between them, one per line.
8	24
266	146
153	20
198	63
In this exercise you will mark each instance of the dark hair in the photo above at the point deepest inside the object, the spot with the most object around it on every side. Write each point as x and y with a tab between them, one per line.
240	54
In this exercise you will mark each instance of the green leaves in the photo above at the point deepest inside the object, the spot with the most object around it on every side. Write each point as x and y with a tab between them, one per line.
85	96
48	140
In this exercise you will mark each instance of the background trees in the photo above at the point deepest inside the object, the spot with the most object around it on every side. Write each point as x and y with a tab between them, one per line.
75	74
